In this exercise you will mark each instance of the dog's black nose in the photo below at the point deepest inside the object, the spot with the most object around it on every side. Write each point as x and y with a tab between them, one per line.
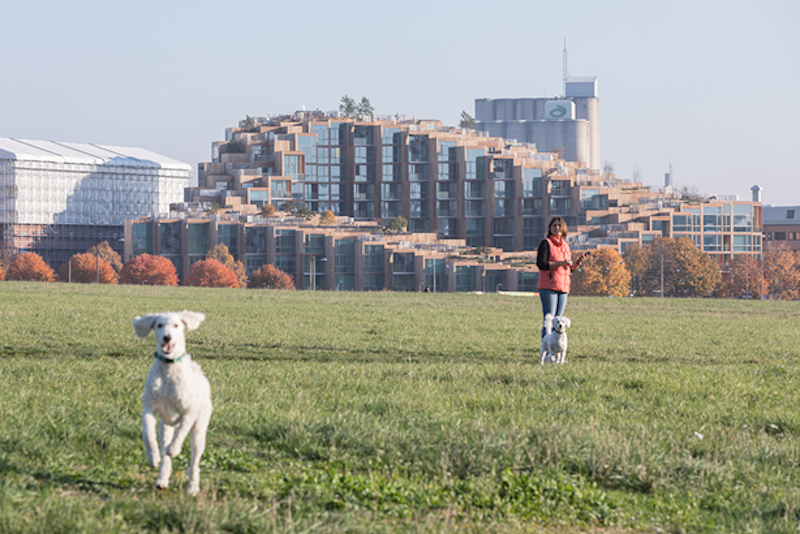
167	338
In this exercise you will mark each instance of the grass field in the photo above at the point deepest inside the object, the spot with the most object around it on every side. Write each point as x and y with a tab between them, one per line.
391	412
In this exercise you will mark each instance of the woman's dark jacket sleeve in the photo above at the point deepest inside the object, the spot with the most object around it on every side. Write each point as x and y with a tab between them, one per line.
542	253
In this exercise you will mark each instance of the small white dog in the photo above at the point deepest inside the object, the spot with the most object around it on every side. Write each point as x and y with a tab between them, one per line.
177	391
554	342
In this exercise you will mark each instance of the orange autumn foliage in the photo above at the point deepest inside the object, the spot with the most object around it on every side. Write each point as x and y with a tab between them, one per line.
30	266
84	269
149	270
211	273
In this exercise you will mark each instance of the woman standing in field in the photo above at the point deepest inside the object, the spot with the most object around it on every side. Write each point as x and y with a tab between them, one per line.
554	260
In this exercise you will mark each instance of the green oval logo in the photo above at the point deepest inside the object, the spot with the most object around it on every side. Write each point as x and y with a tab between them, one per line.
558	112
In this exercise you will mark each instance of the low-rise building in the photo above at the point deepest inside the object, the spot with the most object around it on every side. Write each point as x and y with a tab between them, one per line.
343	256
782	225
60	199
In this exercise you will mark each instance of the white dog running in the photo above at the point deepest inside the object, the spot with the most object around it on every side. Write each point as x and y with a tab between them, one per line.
554	342
177	391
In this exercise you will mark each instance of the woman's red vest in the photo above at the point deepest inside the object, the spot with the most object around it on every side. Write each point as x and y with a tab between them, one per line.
559	278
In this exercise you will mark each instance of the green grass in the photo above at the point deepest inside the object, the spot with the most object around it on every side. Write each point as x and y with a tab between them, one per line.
387	412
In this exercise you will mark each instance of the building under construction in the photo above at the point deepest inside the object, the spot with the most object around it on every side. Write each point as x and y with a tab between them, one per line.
60	199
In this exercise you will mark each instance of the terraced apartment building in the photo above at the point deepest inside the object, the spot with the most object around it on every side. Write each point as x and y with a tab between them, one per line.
453	186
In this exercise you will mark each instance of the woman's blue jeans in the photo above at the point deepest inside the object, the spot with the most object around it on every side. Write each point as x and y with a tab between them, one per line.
552	302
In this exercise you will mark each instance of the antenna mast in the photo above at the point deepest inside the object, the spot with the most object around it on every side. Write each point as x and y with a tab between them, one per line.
565	69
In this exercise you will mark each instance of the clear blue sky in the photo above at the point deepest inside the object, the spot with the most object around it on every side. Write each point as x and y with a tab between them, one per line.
710	85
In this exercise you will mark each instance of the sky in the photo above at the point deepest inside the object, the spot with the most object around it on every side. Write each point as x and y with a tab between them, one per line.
708	86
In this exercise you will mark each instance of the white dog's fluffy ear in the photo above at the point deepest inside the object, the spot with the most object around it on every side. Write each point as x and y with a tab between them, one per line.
567	322
191	319
143	325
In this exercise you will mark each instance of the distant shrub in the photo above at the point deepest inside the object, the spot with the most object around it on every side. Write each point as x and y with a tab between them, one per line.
30	266
270	277
149	270
84	269
107	254
221	254
211	273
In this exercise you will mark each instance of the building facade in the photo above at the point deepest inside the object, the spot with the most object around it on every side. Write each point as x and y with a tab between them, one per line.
463	193
60	199
782	225
459	184
343	256
568	124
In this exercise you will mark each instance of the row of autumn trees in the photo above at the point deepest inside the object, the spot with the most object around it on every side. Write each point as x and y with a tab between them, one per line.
101	264
685	271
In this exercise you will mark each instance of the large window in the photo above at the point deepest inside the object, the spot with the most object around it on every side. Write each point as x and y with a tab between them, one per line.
284	242
465	278
391	136
532	226
418	191
228	235
712	219
169	238
532	206
364	210
373	259
591	199
503	169
446	190
531	182
476	227
391	210
446	208
475	208
418	172
434	275
344	251
418	148
363	135
314	243
308	145
503	226
559	187
392	191
255	240
142	238
560	206
447	151
447	227
419	210
198	238
286	264
504	189
504	208
474	189
742	218
711	243
403	263
291	167
364	192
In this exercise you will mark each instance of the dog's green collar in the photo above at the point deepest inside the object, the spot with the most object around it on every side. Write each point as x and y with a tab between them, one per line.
167	360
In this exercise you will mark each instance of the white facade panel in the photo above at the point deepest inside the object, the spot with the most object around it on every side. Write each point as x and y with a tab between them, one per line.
559	110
